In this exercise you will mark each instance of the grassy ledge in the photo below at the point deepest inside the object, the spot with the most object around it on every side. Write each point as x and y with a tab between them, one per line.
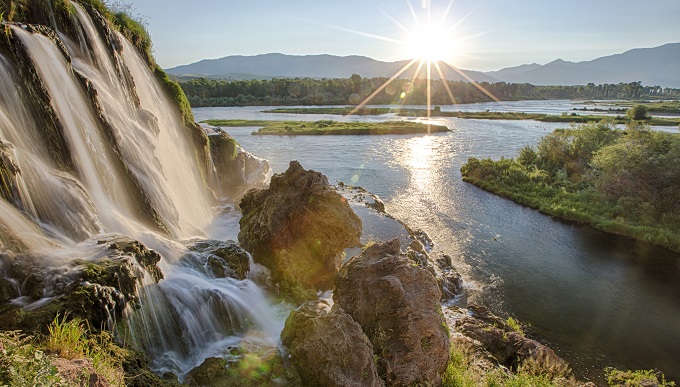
326	127
618	181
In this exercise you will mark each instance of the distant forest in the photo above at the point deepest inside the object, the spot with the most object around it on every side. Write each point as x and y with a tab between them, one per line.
203	92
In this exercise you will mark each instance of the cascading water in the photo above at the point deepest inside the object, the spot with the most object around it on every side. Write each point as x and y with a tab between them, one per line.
135	174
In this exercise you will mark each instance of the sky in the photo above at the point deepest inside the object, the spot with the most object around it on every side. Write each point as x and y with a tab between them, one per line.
481	35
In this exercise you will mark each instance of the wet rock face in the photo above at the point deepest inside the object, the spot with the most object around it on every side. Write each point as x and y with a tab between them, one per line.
8	170
328	348
224	259
298	228
147	258
509	347
397	305
98	291
236	170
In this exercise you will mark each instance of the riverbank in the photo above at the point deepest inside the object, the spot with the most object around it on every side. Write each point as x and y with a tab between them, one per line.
328	127
621	182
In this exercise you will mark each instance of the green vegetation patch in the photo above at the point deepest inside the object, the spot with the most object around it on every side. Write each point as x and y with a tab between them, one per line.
293	128
240	123
637	378
639	114
622	182
364	111
334	127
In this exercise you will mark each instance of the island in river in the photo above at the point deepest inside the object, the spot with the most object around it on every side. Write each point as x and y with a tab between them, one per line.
324	127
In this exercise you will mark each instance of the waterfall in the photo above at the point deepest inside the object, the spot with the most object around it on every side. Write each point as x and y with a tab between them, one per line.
134	173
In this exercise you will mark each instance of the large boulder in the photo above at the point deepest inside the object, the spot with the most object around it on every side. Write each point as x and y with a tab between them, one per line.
397	304
508	345
328	348
298	228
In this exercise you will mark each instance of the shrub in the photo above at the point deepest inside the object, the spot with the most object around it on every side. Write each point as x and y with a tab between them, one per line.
638	113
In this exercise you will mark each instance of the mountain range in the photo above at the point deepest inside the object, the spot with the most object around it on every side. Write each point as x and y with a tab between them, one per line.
651	66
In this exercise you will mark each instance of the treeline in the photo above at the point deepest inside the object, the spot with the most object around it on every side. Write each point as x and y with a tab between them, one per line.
620	181
354	90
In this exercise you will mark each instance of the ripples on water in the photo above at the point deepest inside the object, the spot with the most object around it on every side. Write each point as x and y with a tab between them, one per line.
600	300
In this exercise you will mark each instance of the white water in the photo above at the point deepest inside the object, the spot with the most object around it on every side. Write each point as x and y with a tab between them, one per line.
187	316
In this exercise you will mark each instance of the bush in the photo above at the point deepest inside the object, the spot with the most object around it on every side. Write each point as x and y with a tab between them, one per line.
638	113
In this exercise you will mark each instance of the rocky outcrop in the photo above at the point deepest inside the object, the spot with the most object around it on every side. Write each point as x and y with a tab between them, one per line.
222	259
235	170
508	346
98	290
298	228
397	305
328	348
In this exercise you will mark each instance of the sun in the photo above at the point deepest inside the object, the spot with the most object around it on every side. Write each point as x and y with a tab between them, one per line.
429	43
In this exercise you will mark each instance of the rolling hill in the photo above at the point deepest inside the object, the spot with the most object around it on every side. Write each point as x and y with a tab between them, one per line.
651	66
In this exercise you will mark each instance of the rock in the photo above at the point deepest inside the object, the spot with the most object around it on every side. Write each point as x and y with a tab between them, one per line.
236	170
79	372
8	290
8	171
138	374
147	258
397	305
224	259
328	348
211	369
448	278
243	370
298	228
97	290
509	347
450	282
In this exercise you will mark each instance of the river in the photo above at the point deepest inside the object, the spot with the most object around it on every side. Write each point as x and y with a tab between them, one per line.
597	299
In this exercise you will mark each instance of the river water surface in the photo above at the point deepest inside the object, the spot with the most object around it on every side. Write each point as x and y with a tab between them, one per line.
598	299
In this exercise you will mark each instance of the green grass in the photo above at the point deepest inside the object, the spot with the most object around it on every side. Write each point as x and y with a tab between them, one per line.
177	95
637	378
27	361
515	325
292	128
334	110
240	123
333	127
23	363
652	107
460	372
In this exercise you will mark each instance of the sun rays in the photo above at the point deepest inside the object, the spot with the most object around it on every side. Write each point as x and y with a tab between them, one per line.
432	45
